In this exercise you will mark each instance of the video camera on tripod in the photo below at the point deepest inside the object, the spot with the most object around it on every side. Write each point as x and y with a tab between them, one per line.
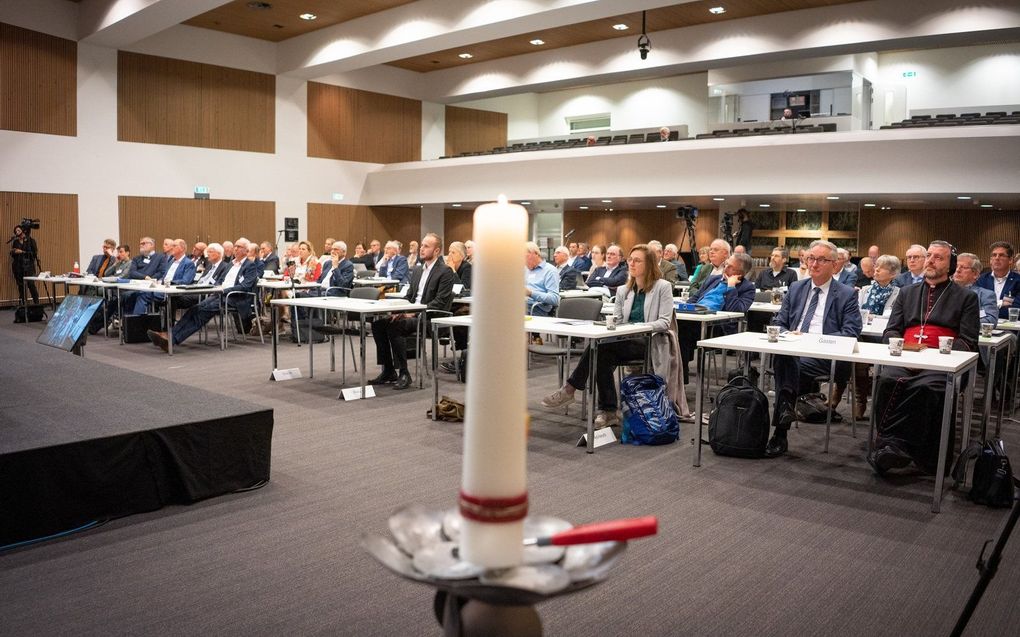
689	214
726	227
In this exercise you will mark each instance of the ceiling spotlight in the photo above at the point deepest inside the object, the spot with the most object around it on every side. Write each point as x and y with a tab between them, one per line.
718	198
465	56
620	27
525	203
764	205
986	205
582	207
869	205
963	197
607	201
660	205
717	10
832	197
801	209
455	205
308	16
537	42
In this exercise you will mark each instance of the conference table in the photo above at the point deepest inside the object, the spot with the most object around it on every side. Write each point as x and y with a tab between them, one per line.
954	365
568	328
1014	327
364	309
46	280
169	292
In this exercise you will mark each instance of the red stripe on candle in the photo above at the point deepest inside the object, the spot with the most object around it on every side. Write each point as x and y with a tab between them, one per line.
493	510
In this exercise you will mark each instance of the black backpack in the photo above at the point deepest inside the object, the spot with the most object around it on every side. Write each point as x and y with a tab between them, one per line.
739	424
992	483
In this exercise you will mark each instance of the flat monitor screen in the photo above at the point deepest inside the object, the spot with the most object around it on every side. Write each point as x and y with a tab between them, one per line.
796	100
69	322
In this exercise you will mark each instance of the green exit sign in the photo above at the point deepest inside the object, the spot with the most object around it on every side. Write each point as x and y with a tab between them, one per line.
201	192
909	73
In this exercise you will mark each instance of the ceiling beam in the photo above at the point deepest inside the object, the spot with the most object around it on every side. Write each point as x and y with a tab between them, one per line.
120	23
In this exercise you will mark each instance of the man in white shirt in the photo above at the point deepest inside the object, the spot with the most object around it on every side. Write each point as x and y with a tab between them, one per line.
1005	283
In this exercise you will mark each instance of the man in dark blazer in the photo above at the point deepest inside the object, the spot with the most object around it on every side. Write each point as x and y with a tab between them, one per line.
393	264
215	270
737	299
242	276
613	274
103	262
270	259
916	254
341	271
1003	281
432	285
582	262
180	271
819	304
147	264
568	274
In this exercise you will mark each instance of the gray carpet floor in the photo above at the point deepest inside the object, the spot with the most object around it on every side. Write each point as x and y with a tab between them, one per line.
808	544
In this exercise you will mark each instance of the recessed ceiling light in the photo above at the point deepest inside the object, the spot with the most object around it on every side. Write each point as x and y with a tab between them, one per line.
465	56
963	197
620	27
525	203
832	197
582	207
538	42
455	205
717	10
986	205
660	205
308	16
801	209
607	201
764	205
718	198
869	205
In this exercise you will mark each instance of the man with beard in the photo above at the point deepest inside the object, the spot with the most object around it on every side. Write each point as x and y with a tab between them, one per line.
909	401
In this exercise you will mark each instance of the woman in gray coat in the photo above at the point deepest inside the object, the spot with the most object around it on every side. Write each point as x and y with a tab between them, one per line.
645	298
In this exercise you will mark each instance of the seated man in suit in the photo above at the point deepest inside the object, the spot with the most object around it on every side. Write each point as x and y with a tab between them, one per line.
541	283
215	270
968	269
737	296
816	305
432	285
148	264
846	272
611	275
582	260
122	266
270	259
916	254
180	271
909	402
672	254
665	266
393	264
198	257
242	276
568	275
1005	283
103	262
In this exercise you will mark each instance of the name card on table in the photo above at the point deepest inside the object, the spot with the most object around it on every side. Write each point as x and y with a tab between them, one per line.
286	374
354	393
827	344
603	436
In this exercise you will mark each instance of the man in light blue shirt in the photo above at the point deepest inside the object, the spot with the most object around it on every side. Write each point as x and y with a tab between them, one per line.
542	283
916	255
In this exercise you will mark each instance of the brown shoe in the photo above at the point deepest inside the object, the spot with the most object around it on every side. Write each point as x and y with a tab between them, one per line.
159	339
860	406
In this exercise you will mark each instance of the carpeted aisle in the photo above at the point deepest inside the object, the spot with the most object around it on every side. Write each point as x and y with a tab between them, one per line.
808	544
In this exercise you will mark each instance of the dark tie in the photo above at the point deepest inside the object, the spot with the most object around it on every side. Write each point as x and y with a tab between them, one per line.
810	311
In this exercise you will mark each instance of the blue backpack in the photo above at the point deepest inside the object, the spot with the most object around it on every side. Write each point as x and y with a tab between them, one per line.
649	417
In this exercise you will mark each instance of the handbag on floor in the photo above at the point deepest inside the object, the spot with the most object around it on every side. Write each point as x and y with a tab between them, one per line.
649	417
739	424
992	482
448	409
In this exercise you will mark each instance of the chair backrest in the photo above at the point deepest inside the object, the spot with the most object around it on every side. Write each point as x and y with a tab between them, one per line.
764	296
366	292
580	308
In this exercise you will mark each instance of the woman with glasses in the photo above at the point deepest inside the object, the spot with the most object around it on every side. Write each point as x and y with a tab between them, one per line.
645	298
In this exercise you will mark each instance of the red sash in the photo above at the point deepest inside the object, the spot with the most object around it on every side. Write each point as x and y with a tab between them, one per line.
931	334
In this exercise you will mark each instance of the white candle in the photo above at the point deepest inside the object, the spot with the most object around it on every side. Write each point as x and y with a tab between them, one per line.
493	480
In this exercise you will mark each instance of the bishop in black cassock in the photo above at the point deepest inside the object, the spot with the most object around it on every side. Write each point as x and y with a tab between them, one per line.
909	402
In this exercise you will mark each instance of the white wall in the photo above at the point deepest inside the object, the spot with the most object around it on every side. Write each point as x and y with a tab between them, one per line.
521	110
954	78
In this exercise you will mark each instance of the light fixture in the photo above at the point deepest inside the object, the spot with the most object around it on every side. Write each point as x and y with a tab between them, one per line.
801	209
986	205
718	198
607	201
717	10
620	27
660	205
465	56
308	16
525	203
832	197
644	45
764	205
455	205
963	197
869	205
538	42
582	207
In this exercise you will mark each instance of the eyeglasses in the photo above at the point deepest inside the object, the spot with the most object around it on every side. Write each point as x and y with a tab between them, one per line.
819	260
633	260
915	257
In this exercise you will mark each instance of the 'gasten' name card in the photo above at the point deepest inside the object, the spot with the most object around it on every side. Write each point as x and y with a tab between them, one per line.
827	344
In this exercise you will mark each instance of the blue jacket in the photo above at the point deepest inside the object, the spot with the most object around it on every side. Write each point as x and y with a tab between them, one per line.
986	299
848	277
1011	288
842	315
582	263
342	276
247	278
152	266
395	268
738	299
98	261
598	278
568	278
184	274
903	279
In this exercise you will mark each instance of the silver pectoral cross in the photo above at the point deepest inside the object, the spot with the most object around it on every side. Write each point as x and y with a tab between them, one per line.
920	336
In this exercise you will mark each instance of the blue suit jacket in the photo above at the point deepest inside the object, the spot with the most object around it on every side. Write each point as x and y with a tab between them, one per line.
184	274
903	279
1011	288
341	277
568	278
98	261
842	313
598	278
395	268
739	299
582	263
986	299
848	277
247	278
152	266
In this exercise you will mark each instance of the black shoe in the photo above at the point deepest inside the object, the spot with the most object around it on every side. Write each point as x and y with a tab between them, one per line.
777	446
403	381
784	416
448	368
387	376
888	457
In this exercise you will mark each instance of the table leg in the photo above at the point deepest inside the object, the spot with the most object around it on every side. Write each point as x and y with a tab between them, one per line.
828	400
106	317
872	419
592	375
120	313
275	313
169	324
699	407
1002	392
701	359
311	341
940	472
986	410
364	381
968	397
435	372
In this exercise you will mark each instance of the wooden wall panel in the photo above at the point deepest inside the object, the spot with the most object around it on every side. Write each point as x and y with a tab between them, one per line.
38	82
361	224
353	125
57	237
969	230
458	224
195	220
472	130
638	226
166	101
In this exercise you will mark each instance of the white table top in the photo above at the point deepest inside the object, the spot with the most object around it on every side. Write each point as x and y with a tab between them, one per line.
96	283
1001	325
759	306
344	304
559	327
286	285
868	353
53	279
575	294
708	318
376	281
879	323
153	286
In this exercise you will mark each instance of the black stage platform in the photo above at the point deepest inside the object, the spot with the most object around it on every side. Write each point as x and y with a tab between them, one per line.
83	441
